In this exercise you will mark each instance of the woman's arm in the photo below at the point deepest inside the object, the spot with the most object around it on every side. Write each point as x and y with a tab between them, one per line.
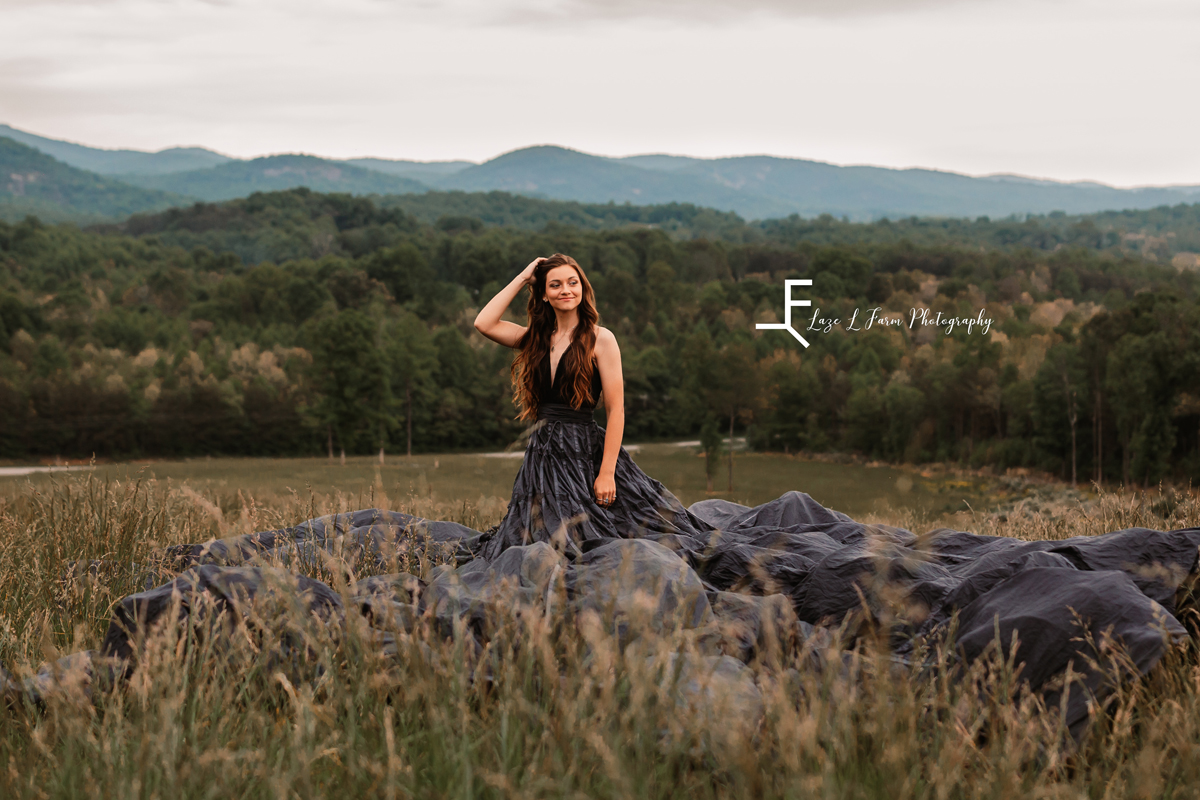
488	321
608	359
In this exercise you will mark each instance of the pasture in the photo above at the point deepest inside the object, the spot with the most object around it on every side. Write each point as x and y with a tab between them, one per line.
485	480
570	715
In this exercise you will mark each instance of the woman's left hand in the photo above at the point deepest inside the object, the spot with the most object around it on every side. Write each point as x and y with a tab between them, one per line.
606	489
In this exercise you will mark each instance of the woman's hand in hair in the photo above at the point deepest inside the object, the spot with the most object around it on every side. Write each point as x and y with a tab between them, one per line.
530	272
489	322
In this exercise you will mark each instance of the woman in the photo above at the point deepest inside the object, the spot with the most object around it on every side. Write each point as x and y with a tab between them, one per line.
577	482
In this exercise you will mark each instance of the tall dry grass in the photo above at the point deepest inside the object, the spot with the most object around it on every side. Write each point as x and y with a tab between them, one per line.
550	708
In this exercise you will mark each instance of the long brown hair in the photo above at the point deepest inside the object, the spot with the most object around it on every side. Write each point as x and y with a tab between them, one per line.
535	343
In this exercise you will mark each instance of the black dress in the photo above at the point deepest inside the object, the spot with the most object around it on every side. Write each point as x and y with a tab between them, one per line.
554	497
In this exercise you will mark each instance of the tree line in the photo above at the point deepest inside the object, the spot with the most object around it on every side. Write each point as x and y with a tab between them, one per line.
297	323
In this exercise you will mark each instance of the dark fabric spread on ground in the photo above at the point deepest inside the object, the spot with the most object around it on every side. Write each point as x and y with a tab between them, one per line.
554	487
790	564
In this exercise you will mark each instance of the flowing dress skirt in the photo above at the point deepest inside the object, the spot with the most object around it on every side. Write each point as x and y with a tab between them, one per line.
554	497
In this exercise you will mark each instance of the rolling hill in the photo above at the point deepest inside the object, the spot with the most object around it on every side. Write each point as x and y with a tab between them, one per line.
759	187
562	174
811	188
32	182
118	162
755	187
274	173
417	170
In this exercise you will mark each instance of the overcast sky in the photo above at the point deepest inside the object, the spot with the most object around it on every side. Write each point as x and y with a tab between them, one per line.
1064	89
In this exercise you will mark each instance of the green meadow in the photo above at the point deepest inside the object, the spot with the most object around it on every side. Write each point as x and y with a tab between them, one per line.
486	479
552	707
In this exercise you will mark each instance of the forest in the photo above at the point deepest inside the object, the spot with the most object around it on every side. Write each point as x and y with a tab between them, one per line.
294	322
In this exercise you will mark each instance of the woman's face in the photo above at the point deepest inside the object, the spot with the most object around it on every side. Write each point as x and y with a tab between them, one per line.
563	288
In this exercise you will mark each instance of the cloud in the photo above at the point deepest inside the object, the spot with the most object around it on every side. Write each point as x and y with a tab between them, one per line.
711	10
474	12
1061	88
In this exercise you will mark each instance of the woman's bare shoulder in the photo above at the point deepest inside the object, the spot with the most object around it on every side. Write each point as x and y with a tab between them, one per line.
605	337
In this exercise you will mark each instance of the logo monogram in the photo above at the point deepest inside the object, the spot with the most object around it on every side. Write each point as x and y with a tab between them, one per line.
789	303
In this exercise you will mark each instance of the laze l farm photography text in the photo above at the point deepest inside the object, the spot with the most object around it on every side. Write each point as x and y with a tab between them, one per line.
861	320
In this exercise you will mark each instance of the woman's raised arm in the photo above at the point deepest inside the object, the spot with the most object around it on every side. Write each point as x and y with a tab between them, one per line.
488	321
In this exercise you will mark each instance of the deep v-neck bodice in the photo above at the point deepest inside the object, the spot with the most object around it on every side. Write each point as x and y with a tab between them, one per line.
552	383
554	367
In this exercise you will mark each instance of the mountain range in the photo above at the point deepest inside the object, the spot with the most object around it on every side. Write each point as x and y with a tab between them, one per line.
63	180
32	182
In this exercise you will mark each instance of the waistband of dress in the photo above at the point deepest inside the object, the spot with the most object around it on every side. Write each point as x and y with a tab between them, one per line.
561	412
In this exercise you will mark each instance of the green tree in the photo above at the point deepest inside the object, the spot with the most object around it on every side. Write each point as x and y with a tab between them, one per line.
733	388
405	272
713	300
710	443
413	360
1139	377
840	271
792	387
350	376
905	407
1060	387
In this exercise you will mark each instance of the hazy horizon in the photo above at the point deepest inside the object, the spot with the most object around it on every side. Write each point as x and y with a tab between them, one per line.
1065	90
609	155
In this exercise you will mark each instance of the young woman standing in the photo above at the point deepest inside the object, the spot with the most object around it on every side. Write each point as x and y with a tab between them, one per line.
576	482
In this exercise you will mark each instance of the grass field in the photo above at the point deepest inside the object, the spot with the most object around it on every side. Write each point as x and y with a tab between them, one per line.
564	715
487	481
